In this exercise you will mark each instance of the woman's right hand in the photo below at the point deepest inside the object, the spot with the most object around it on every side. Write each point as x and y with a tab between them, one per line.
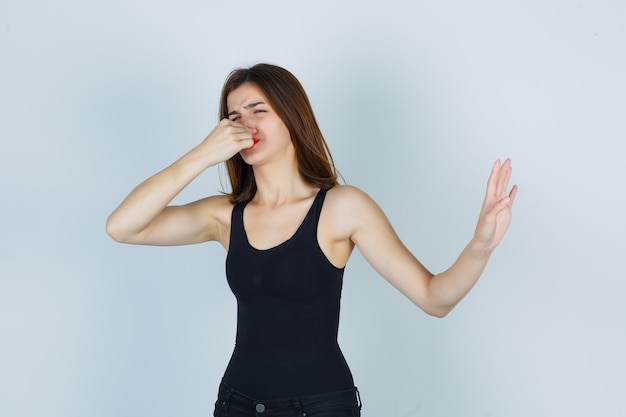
227	139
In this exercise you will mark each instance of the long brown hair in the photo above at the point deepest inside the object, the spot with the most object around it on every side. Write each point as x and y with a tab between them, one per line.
287	97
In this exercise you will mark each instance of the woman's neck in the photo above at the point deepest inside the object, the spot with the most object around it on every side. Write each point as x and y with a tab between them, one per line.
280	185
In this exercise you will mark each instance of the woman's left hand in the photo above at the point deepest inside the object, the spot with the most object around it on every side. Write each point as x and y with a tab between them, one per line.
495	215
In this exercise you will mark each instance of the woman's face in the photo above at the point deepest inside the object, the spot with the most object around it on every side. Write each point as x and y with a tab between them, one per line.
249	106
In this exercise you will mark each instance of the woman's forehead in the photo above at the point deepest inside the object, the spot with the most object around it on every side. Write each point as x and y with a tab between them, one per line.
244	95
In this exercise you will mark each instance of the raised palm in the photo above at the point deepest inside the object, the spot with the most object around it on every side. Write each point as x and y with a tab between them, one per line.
495	215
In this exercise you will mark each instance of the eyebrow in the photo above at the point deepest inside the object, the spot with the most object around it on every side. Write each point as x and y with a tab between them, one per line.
246	107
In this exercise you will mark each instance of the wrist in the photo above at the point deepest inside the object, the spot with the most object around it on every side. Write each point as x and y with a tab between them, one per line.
478	248
200	158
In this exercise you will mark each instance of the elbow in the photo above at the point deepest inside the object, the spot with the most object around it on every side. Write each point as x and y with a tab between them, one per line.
438	311
114	231
438	314
432	308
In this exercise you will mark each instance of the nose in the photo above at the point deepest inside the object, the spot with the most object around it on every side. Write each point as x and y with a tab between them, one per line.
247	122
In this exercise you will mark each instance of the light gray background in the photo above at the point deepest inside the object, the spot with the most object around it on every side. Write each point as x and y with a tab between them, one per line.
417	99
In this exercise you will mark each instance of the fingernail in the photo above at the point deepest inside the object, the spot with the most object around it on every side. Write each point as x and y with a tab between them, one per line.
255	140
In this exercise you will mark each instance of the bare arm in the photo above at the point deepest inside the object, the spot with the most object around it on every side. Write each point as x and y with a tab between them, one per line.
437	295
144	216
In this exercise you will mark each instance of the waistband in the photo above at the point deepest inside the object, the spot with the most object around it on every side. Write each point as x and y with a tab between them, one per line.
300	406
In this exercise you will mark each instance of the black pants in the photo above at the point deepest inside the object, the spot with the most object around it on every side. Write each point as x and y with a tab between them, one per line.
231	403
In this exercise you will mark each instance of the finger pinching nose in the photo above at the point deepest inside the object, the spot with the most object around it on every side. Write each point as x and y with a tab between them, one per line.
255	140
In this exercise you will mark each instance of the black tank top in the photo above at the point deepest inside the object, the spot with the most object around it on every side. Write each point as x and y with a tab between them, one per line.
287	314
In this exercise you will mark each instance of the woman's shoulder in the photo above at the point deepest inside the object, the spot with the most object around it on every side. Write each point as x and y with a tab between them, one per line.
218	201
348	200
348	210
347	195
218	206
214	214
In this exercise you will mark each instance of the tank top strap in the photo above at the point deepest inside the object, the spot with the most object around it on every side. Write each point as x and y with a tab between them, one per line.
313	217
236	222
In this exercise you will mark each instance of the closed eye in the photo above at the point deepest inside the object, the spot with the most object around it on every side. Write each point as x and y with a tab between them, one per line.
237	116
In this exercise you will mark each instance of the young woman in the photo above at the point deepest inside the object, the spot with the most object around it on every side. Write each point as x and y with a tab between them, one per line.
289	229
